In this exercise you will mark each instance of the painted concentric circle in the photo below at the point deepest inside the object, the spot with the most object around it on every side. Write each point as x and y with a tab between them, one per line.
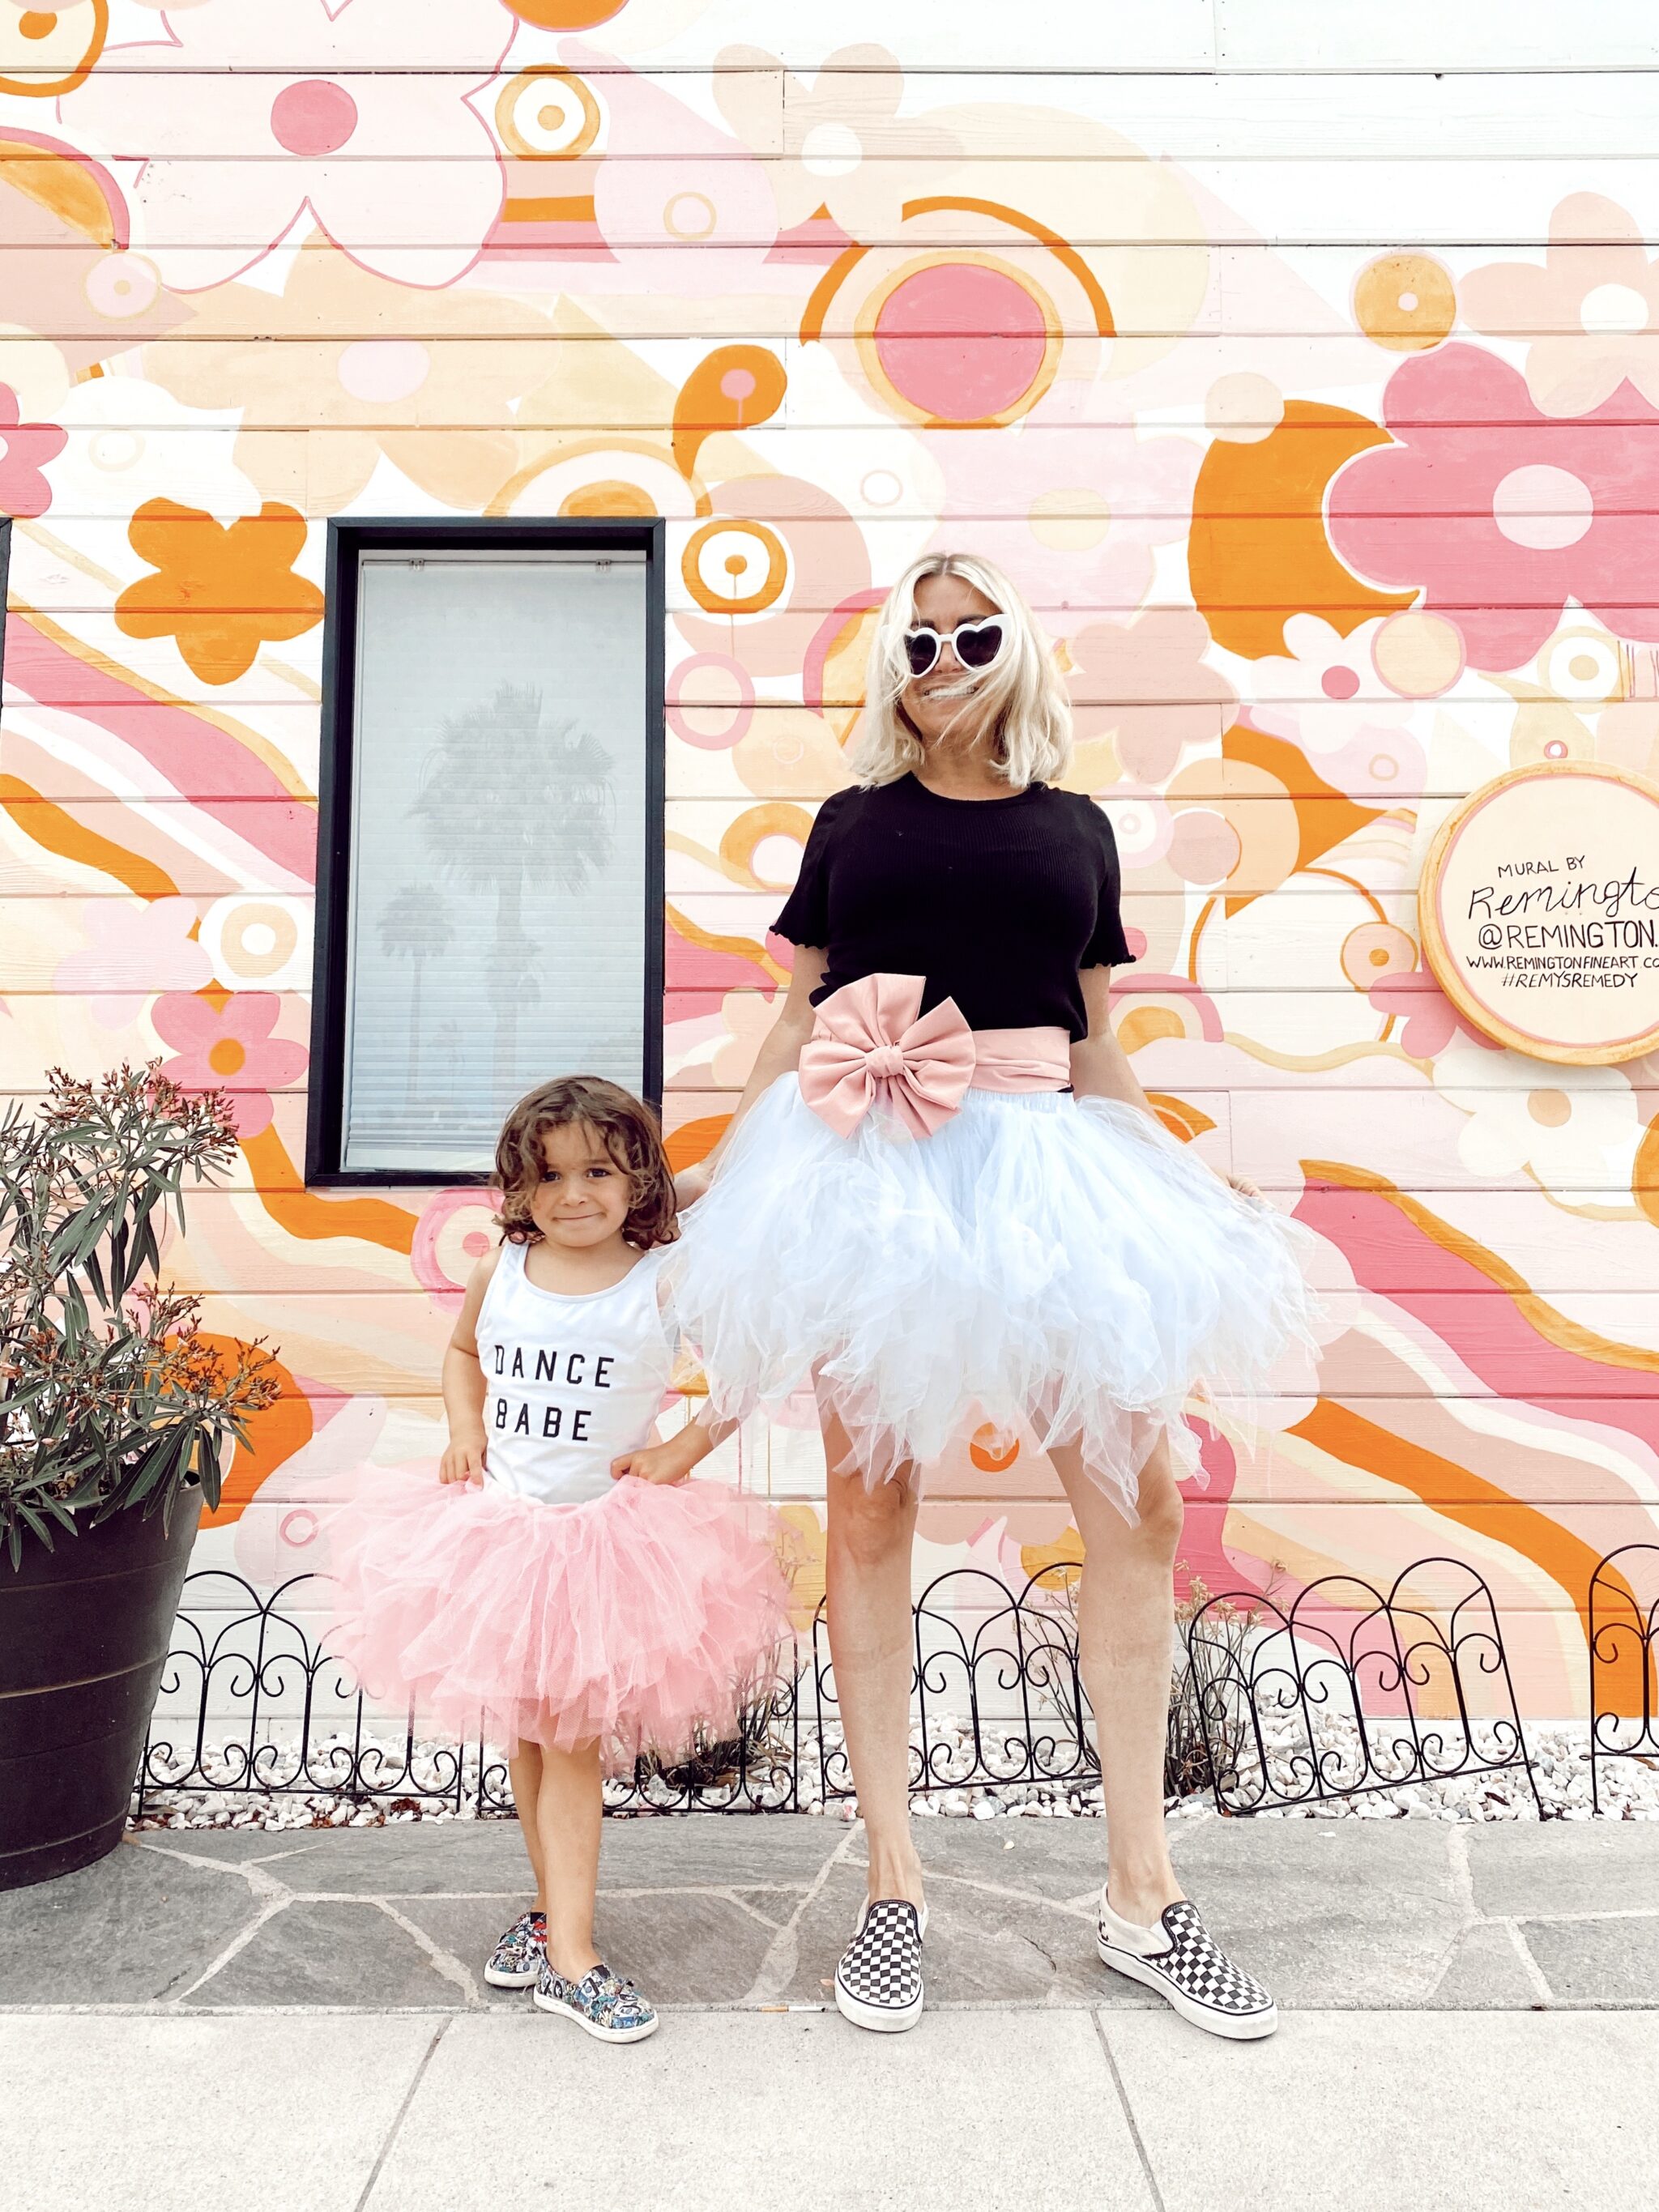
959	339
547	114
734	568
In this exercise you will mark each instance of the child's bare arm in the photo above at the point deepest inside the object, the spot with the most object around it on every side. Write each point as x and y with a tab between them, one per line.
672	1460
464	1384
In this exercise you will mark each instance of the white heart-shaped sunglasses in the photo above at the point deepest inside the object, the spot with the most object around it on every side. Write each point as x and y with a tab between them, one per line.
977	644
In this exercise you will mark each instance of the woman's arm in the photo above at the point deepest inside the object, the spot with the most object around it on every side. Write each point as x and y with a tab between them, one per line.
1100	1066
778	1055
464	1383
1101	1069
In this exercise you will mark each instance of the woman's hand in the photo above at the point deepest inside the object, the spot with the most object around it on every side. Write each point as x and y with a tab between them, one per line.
669	1462
463	1460
1244	1187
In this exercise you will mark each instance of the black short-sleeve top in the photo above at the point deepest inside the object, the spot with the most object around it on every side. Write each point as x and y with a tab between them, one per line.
997	902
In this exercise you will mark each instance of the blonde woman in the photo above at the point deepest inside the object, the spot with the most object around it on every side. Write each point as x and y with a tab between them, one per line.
944	1200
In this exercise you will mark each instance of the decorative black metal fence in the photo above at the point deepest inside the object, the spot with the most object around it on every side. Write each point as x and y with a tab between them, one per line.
994	1682
1624	1659
1348	1689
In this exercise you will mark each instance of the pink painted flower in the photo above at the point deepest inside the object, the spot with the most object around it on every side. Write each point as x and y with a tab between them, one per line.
680	206
1145	685
231	1048
1500	515
1430	1022
24	448
1591	312
133	951
360	111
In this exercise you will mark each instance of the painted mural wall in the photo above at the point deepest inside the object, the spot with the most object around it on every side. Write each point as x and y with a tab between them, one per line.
1304	373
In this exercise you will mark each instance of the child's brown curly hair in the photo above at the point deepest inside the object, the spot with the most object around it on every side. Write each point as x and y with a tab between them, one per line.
625	1125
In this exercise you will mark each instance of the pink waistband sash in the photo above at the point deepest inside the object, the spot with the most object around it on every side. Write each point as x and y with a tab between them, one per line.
871	1047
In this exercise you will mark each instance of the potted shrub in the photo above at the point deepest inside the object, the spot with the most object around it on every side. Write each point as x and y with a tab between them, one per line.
116	1416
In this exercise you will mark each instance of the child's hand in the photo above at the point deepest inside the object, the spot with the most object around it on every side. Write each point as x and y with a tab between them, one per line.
668	1463
462	1461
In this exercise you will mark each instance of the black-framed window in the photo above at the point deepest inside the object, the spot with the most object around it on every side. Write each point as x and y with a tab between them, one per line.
489	893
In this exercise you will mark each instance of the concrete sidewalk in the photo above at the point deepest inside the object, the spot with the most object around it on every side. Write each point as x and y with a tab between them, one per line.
253	2020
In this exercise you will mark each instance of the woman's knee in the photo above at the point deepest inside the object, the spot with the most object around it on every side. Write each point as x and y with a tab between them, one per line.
1162	1514
869	1526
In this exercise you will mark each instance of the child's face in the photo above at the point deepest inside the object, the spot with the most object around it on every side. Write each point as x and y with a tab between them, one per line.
583	1196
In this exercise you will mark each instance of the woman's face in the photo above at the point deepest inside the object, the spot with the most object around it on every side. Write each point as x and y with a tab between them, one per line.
942	602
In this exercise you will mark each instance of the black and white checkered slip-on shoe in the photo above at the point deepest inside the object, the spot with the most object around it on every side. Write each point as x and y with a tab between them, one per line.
879	1981
1180	1960
517	1959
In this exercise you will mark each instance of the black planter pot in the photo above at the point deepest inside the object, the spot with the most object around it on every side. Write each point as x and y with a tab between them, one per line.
84	1631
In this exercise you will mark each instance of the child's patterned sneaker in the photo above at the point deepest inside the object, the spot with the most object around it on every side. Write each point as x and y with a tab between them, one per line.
606	2006
517	1960
879	1981
1180	1960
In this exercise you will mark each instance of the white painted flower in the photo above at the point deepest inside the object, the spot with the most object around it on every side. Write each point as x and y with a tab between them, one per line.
1325	688
1577	1128
296	104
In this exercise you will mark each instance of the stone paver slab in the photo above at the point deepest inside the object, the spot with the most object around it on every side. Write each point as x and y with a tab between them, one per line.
1540	1868
179	2114
793	2112
1397	2111
314	1952
1328	1912
1597	1962
132	1928
724	1850
1485	1972
410	1858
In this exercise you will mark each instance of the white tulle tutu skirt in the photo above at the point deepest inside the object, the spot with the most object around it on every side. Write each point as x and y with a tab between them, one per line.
1039	1260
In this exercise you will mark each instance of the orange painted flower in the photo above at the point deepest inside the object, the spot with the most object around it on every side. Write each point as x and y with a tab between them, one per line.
221	590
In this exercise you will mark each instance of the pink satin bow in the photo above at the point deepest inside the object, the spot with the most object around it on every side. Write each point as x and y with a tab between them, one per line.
873	1047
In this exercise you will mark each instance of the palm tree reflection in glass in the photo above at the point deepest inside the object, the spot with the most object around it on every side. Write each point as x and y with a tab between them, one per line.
503	802
415	925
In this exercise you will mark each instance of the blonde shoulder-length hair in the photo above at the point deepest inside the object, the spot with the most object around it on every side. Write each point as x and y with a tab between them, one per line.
1021	700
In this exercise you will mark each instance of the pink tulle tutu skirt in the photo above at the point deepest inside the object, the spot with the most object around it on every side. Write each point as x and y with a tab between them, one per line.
635	1621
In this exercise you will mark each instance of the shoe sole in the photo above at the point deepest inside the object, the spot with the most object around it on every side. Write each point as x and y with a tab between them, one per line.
591	2027
499	1978
882	2020
1236	2027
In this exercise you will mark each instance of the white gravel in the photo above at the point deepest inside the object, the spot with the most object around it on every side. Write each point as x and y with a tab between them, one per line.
1560	1752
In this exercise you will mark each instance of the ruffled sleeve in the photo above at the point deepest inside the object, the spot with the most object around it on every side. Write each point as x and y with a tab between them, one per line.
1108	947
805	917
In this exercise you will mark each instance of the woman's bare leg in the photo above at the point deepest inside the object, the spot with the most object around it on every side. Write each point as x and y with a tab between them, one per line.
568	1811
1126	1623
525	1771
867	1577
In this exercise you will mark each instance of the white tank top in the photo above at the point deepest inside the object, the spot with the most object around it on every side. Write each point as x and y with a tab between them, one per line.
570	1382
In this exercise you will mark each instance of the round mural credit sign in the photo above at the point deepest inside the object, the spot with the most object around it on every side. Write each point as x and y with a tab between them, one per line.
1539	911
